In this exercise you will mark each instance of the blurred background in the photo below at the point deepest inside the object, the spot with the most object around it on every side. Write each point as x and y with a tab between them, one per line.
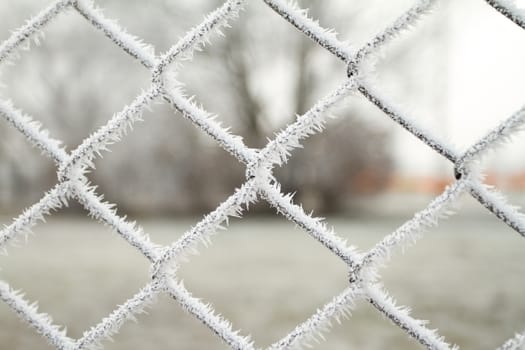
459	72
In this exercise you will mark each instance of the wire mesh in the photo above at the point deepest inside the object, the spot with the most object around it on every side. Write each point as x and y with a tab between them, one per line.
363	282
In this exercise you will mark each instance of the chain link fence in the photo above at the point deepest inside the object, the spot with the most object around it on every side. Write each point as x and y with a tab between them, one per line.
363	281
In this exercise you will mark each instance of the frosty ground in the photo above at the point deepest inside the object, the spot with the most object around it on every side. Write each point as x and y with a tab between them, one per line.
465	276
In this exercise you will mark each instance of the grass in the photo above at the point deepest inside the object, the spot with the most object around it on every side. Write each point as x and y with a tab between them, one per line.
266	276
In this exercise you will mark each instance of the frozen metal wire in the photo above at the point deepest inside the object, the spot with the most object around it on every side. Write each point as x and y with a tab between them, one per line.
364	283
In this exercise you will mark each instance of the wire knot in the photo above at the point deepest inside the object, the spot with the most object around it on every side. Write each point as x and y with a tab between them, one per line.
460	171
352	69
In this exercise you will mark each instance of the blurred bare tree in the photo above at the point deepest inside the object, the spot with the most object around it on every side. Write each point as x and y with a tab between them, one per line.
257	78
350	157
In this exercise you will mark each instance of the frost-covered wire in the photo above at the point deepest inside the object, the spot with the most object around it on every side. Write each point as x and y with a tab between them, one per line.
132	45
112	323
173	92
494	201
313	226
53	200
208	123
498	204
358	264
106	213
299	18
208	226
198	35
491	140
515	343
32	27
57	196
33	131
42	323
313	328
509	9
411	230
260	181
277	151
403	22
110	133
400	316
408	123
205	313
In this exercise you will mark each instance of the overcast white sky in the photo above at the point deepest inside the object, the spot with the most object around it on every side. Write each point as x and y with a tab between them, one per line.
484	85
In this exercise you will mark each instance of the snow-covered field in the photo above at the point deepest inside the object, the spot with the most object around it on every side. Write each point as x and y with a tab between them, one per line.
466	277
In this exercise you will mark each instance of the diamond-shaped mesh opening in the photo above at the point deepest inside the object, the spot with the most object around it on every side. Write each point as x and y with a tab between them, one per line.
260	75
182	159
61	261
266	259
60	82
464	277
